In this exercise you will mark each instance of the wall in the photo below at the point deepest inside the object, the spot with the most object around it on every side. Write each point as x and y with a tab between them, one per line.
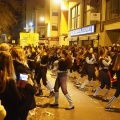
110	34
54	19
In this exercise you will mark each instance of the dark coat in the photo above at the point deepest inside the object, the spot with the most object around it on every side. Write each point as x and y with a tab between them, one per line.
11	99
20	68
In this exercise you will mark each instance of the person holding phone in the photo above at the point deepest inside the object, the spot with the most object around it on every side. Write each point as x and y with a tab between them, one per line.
27	87
19	62
10	97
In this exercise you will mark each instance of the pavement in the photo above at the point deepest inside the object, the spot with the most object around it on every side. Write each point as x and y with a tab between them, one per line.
86	107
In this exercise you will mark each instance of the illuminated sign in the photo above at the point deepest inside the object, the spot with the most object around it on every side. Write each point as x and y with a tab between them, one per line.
82	31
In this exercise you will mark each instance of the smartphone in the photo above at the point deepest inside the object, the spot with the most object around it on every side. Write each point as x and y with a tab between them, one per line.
23	77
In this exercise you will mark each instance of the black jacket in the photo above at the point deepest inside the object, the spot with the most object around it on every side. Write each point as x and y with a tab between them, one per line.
11	99
20	68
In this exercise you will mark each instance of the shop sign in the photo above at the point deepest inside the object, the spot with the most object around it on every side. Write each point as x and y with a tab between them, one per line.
95	17
53	38
83	31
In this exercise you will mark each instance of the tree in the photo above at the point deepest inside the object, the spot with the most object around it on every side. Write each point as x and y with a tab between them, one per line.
8	14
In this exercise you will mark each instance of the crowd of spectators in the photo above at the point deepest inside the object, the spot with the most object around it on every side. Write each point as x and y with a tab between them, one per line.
95	63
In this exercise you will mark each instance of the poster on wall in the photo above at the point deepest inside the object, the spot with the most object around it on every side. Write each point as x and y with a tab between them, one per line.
95	16
54	27
54	12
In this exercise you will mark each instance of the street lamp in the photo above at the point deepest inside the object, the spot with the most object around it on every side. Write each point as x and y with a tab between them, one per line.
57	1
31	24
42	19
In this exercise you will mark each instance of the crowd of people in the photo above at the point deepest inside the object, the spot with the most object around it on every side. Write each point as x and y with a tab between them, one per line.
17	94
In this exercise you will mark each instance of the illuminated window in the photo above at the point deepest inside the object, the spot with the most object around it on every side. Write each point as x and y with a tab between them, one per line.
112	9
90	6
75	19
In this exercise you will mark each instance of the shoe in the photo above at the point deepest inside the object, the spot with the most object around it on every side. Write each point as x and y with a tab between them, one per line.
77	83
93	90
78	86
109	109
54	105
51	94
105	100
53	74
93	96
39	93
70	108
82	89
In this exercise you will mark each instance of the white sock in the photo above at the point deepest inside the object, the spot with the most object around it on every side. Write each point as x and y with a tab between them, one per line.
110	102
84	83
97	91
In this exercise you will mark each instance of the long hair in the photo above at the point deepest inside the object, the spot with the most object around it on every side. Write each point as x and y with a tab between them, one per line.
6	69
4	47
116	65
68	58
18	54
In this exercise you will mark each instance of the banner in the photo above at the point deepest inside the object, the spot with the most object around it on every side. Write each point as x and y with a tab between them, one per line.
29	38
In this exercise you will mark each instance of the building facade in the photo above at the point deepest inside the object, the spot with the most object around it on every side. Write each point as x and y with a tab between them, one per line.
94	22
67	22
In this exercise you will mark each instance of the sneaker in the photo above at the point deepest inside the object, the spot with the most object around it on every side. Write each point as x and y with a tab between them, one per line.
93	90
39	93
93	96
53	74
77	83
51	94
82	89
70	108
105	100
78	86
54	105
109	109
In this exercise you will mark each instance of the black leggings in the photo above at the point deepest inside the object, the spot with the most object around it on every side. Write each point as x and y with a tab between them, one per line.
117	93
104	79
41	73
91	72
61	82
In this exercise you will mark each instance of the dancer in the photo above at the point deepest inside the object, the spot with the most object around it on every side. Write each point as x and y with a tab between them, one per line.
116	68
63	64
90	60
40	72
103	75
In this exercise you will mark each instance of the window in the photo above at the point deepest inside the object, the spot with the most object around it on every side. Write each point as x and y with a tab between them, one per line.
90	6
112	9
75	21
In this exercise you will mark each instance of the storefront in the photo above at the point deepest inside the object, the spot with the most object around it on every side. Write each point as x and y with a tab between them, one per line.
73	40
94	40
86	36
53	41
83	41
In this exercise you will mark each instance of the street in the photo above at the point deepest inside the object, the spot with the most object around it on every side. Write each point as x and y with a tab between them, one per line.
86	107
